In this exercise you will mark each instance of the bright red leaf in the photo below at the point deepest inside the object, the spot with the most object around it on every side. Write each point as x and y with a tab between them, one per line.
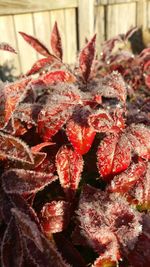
114	155
69	167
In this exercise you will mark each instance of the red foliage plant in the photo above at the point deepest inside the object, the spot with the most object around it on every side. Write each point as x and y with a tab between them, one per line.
75	159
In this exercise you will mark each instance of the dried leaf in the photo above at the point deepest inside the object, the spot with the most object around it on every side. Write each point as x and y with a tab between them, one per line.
86	58
36	44
69	167
113	155
56	42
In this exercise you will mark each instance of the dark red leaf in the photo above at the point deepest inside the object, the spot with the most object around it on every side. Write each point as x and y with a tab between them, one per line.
69	167
86	58
54	217
114	155
42	63
36	44
125	181
11	246
28	227
101	121
56	42
68	251
139	136
19	181
7	47
15	149
130	32
39	147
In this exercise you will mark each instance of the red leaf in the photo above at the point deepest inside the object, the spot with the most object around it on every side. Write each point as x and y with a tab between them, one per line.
101	121
54	78
114	155
36	44
56	42
79	133
54	217
69	167
51	120
113	86
14	149
38	147
7	47
20	181
10	96
139	136
12	245
86	58
104	262
125	181
41	64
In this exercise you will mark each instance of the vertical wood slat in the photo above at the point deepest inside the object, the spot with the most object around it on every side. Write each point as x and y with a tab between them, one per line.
118	19
142	14
99	26
27	54
86	20
70	35
8	35
42	28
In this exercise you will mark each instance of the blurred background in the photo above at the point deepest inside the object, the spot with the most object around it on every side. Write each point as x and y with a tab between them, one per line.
77	20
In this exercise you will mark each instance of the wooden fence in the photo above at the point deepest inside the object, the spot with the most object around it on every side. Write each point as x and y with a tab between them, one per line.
76	19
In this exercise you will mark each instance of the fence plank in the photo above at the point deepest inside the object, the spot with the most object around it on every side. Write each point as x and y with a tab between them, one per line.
86	20
21	6
118	19
28	56
99	26
42	27
70	34
8	35
142	14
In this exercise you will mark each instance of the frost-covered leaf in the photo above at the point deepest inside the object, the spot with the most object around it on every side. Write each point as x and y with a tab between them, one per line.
11	246
21	181
104	262
13	148
11	95
42	63
28	227
78	131
126	180
113	155
36	44
113	86
69	167
54	77
56	42
50	257
107	221
7	47
54	216
101	121
139	136
52	118
86	58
